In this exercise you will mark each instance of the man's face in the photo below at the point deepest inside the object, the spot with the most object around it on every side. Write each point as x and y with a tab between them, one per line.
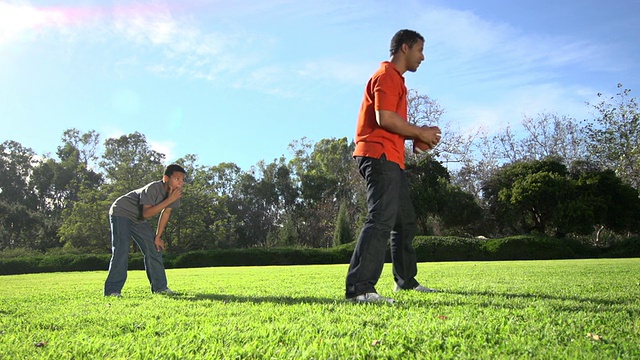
415	56
175	181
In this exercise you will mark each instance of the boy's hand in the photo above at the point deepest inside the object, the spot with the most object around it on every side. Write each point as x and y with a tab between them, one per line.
430	135
159	243
175	194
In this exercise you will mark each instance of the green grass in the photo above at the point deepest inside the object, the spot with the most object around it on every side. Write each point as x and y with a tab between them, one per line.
488	310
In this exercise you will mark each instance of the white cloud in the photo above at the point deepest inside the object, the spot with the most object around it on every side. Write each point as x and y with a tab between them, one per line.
155	25
467	51
163	40
490	75
112	132
509	108
267	79
336	70
171	44
164	147
461	31
20	20
184	49
481	56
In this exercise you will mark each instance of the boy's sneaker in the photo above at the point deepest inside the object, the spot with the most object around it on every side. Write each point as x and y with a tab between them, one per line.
418	288
370	298
115	294
166	291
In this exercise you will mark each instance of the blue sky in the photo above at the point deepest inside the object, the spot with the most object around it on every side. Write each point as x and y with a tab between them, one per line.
237	81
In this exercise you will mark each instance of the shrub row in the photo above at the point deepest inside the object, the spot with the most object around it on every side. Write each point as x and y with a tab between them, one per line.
512	248
221	257
430	248
263	256
63	263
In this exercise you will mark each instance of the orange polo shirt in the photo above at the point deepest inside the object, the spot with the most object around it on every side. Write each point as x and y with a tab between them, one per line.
385	91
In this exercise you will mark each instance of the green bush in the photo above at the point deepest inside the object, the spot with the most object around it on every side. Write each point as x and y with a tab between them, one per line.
264	256
626	248
533	248
19	265
449	248
428	248
88	262
18	253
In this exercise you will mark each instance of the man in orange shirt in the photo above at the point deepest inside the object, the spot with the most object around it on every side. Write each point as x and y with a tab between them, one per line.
381	131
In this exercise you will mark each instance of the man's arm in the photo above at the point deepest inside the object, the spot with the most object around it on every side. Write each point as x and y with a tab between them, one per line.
392	122
162	223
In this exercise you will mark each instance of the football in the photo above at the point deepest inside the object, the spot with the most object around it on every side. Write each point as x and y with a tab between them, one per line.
419	147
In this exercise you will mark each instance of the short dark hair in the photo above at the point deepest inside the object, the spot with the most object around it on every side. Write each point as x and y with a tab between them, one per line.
169	170
402	37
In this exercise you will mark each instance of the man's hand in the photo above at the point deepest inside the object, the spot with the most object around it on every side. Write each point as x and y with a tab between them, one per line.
430	135
174	194
159	243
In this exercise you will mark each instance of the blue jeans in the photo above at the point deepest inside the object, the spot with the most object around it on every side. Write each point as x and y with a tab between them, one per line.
122	231
390	217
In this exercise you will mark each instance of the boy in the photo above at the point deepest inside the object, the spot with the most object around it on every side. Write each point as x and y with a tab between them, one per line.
128	216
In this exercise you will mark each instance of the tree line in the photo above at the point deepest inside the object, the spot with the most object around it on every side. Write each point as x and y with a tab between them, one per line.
557	176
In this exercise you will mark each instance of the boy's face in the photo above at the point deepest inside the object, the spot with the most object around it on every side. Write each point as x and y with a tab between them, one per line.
175	181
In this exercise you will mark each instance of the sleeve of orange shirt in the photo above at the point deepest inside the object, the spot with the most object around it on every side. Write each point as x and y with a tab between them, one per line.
387	93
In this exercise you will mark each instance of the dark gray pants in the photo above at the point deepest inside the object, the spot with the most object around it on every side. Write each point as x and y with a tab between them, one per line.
390	217
122	231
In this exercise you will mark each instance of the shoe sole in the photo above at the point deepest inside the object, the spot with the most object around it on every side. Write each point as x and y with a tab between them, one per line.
380	301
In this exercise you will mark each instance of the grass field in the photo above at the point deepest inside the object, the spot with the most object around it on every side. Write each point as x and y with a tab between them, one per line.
578	309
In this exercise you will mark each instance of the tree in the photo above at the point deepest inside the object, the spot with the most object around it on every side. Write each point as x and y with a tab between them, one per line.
543	197
285	234
78	158
552	136
57	184
424	111
522	196
614	136
426	191
460	213
129	163
19	221
252	206
222	178
616	205
327	176
17	164
86	224
547	135
329	171
440	206
537	196
202	221
343	233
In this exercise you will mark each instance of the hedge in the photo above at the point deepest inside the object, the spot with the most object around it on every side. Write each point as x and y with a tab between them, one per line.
428	248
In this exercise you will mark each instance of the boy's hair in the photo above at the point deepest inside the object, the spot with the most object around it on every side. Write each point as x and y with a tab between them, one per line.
402	37
169	170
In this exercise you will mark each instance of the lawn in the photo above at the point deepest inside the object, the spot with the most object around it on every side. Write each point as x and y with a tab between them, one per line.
586	309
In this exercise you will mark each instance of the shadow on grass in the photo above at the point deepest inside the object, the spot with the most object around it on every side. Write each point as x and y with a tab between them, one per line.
493	300
595	301
511	301
283	300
